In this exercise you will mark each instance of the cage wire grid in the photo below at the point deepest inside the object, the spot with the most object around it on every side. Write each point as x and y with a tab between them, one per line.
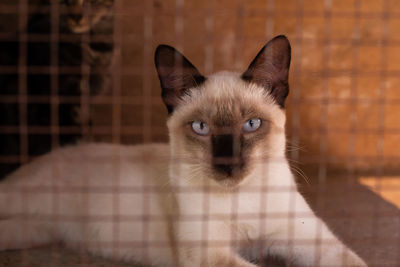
23	101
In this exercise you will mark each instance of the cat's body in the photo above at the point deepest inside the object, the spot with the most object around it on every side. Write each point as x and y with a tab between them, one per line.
71	197
219	194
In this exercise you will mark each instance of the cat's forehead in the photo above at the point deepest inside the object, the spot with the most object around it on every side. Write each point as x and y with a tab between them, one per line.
225	94
229	85
224	98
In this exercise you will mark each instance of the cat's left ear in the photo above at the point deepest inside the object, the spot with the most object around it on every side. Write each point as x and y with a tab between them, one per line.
270	69
176	75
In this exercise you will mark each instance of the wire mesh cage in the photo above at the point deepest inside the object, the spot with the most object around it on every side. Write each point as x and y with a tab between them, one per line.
76	72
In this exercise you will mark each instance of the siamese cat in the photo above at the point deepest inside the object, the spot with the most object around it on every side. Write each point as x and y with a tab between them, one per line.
221	193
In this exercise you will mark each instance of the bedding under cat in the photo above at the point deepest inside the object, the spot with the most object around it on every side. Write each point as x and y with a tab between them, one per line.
219	194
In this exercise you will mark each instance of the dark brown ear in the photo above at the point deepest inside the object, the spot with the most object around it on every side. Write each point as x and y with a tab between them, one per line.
176	75
270	68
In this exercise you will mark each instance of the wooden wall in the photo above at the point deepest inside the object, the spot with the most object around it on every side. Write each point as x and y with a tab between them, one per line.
344	106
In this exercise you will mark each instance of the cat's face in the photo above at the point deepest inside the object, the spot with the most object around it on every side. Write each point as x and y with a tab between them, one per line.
84	14
222	127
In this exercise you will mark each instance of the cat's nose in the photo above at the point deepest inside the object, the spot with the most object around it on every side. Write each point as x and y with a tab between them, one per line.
228	169
229	166
225	145
226	153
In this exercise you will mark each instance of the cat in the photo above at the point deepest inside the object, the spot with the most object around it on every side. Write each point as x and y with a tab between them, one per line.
85	15
221	193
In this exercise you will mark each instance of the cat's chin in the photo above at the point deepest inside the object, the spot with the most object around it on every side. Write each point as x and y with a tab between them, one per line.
229	182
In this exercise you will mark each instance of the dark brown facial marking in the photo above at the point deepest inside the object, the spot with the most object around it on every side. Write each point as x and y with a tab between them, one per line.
222	145
223	120
229	169
226	154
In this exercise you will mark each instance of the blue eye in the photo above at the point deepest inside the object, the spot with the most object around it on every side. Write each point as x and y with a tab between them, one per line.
251	125
201	128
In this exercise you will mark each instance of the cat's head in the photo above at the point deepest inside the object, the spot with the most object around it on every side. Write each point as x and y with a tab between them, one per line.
83	15
224	126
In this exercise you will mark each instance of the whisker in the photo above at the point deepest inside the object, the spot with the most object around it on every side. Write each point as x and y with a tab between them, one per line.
300	173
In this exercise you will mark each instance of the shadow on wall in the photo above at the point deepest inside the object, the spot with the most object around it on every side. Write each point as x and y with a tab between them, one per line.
67	86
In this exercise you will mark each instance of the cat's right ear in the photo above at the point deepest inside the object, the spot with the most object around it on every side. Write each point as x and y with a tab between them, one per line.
176	75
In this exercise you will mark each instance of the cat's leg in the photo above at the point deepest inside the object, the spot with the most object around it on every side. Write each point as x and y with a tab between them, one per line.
308	247
212	249
16	233
306	240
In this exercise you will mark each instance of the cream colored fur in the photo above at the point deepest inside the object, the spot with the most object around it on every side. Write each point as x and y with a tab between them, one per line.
159	204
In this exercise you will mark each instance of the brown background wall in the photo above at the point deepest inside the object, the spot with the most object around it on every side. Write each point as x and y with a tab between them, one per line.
344	105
